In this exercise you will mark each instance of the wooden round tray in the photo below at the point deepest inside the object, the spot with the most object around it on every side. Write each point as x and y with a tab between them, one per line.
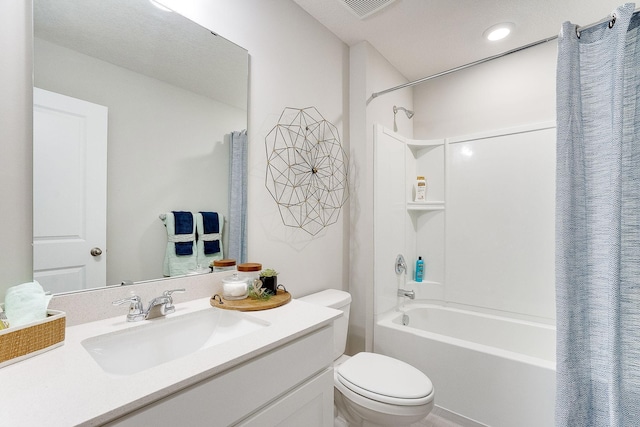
249	304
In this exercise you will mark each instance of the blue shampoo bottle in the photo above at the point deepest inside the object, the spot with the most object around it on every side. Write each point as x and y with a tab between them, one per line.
419	269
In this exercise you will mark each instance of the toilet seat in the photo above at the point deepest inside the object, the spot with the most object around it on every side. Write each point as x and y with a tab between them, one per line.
385	379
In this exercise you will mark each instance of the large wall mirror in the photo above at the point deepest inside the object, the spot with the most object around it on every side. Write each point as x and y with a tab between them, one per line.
166	94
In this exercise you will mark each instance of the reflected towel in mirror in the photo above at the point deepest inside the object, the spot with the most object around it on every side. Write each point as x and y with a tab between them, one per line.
184	225
179	261
209	231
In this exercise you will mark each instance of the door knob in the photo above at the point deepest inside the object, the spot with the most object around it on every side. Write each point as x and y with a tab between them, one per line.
96	251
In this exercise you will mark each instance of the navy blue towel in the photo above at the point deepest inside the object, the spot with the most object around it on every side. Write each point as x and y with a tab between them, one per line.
183	224
211	224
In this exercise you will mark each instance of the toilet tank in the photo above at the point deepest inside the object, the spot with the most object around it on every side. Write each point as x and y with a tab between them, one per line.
339	300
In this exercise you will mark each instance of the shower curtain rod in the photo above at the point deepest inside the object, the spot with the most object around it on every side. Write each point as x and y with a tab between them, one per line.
611	19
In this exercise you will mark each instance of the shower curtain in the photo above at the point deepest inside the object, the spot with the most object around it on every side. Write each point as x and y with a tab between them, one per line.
598	224
238	196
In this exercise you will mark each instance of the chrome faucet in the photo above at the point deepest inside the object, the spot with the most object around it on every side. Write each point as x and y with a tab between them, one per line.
162	305
409	294
159	306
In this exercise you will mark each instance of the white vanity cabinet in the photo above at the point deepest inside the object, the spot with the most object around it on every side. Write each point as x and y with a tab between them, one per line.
290	385
277	375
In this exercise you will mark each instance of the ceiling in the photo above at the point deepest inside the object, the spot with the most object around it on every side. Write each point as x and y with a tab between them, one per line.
424	37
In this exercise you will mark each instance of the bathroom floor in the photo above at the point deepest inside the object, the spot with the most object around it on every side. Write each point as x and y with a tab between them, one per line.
433	420
442	418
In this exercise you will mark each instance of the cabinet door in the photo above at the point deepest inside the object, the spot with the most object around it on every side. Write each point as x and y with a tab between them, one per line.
310	405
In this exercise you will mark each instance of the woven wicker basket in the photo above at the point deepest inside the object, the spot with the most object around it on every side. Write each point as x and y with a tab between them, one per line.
34	338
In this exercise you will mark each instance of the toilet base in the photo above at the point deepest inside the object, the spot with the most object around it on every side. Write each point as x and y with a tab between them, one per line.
357	415
339	421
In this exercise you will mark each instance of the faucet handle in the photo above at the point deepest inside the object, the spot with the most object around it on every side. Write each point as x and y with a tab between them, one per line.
132	299
169	307
177	291
136	310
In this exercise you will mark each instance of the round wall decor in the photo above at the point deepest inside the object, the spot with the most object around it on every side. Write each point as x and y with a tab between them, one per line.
306	169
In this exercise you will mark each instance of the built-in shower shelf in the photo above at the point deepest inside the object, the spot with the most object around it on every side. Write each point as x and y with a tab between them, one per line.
426	206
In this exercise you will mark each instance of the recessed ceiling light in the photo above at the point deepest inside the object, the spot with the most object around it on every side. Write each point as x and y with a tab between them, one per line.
160	6
498	31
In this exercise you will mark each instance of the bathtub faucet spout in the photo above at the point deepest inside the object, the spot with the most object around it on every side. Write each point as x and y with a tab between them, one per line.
410	294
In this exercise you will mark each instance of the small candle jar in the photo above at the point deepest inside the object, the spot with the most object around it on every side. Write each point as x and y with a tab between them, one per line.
234	287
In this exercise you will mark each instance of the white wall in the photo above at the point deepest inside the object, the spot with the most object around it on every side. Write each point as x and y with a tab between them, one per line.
370	72
514	90
162	156
16	107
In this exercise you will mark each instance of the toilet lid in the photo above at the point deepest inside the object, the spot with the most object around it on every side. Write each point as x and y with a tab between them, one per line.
385	379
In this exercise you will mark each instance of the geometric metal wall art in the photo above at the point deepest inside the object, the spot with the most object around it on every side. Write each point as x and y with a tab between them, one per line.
306	169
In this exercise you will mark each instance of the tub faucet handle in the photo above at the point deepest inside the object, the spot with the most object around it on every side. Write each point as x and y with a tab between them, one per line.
401	265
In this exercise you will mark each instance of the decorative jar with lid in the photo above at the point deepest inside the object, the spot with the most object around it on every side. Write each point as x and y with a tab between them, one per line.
250	271
219	265
234	287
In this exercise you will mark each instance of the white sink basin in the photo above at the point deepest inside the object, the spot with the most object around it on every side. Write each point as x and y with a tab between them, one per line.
164	339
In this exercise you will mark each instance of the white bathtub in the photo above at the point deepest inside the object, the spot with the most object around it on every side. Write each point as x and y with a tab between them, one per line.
493	370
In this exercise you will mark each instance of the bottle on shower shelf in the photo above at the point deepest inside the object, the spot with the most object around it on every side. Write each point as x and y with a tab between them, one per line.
420	190
419	269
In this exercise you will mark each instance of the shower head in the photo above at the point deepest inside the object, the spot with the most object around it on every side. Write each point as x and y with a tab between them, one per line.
409	113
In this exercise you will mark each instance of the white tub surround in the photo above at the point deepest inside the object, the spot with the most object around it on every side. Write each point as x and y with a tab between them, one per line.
493	370
483	222
66	386
489	212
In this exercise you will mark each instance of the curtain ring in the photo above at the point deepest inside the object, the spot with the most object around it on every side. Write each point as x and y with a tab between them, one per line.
612	22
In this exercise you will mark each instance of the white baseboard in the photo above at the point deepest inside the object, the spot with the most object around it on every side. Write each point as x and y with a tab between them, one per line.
455	418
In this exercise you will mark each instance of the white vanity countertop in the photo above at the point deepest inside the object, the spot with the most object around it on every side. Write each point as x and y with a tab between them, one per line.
66	387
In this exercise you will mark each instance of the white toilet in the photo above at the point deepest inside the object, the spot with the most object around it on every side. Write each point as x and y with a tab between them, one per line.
372	389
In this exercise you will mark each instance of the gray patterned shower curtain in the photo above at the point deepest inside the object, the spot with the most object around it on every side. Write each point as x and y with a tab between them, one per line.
598	224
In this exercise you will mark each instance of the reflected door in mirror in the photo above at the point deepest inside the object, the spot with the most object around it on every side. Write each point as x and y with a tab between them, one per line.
70	173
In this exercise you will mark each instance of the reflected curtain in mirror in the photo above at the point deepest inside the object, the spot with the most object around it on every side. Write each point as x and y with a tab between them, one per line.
238	196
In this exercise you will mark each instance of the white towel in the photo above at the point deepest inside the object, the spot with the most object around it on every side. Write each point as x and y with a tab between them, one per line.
177	265
26	303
